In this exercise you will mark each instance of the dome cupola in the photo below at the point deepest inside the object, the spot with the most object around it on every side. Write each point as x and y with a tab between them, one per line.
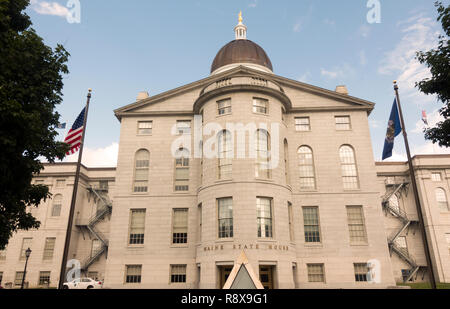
241	52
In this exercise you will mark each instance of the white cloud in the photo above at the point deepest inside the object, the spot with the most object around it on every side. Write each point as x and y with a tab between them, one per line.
375	124
430	148
342	71
396	157
254	4
305	77
49	8
98	157
419	34
297	26
433	118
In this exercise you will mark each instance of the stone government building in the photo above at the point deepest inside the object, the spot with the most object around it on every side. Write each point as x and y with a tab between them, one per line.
318	219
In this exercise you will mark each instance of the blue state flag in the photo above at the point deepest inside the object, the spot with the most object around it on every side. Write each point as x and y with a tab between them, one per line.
393	130
61	125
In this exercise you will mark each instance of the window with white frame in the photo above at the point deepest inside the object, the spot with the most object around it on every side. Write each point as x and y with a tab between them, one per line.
342	123
441	199
137	226
361	272
181	182
145	127
306	167
49	248
180	226
348	166
264	217
225	155
133	273
436	176
183	127
44	277
260	106
26	243
302	124
142	165
316	273
225	211
57	205
356	224
262	168
224	107
18	279
177	273
311	224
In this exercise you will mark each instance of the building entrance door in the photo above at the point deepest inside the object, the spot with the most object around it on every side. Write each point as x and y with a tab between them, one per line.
266	276
224	274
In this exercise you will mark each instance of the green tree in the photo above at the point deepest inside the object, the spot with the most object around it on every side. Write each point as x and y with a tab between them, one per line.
438	60
30	88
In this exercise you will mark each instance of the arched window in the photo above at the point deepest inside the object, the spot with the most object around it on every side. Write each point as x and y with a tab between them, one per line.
286	162
225	149
348	165
57	204
262	154
142	164
306	166
441	199
182	170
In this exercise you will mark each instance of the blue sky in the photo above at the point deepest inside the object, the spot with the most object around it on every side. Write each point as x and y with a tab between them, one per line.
122	47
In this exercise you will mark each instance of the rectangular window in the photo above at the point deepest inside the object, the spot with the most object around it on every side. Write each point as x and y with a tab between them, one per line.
141	173
316	273
60	183
18	279
225	210
182	174
436	177
302	124
342	123
311	224
26	243
291	222
356	224
224	107
361	272
145	127
39	182
44	277
264	217
177	273
183	127
103	184
49	248
133	273
137	226
180	226
260	106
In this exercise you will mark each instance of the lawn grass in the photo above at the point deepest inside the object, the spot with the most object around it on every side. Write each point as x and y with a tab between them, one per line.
425	285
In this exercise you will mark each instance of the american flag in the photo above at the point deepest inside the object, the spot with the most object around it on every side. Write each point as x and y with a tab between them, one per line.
424	117
74	135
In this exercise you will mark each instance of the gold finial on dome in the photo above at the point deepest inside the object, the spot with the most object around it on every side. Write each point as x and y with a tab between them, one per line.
240	17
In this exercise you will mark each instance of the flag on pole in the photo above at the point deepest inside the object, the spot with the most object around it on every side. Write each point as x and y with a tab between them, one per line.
424	117
393	130
61	125
74	135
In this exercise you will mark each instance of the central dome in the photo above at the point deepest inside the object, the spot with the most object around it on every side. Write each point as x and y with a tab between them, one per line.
241	51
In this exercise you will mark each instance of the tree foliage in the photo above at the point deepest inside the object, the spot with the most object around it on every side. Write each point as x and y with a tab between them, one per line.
31	81
438	60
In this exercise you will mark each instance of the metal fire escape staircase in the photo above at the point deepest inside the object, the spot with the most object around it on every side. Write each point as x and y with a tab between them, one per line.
105	207
399	188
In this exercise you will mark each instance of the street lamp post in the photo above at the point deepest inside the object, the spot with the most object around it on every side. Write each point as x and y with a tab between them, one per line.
27	255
